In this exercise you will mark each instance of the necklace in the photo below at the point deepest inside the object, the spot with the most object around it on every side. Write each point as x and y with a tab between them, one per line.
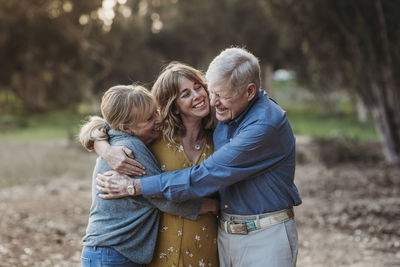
198	145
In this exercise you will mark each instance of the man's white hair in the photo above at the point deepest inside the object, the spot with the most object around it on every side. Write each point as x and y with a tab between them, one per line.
236	68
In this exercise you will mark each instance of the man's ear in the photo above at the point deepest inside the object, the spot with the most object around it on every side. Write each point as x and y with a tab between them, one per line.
251	91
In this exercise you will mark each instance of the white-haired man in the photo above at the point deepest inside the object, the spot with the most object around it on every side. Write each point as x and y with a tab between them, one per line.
252	169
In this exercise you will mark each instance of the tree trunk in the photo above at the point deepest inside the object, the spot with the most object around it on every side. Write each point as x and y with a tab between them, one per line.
30	90
87	88
362	112
386	123
267	80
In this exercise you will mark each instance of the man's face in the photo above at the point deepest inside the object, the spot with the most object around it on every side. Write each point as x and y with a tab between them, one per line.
228	103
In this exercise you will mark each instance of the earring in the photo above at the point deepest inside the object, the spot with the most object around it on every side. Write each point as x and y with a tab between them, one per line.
131	133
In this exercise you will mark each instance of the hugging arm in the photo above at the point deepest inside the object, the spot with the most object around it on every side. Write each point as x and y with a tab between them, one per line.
118	184
120	158
93	136
113	185
190	208
255	149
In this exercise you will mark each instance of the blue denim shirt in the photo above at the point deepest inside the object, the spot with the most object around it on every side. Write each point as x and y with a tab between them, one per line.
253	166
130	224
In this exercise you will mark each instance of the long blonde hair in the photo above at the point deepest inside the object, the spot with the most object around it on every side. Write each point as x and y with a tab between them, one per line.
121	105
166	90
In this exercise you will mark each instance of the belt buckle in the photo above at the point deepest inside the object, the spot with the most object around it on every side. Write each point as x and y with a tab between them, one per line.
235	228
251	226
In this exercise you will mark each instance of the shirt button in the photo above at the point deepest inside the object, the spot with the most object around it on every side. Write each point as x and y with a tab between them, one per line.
226	206
230	139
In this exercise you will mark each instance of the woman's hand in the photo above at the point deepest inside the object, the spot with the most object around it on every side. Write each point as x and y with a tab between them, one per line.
119	158
112	185
209	205
122	160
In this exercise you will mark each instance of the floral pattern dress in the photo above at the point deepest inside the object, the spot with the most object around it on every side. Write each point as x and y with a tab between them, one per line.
182	242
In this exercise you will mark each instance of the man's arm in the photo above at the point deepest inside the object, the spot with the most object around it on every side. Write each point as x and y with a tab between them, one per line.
116	187
255	149
188	209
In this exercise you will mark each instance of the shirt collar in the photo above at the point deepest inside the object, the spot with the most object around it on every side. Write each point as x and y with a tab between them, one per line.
239	118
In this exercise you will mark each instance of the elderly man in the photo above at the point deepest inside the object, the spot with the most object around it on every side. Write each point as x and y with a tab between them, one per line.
252	169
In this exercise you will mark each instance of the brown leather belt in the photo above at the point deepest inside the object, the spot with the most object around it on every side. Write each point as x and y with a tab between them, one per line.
247	223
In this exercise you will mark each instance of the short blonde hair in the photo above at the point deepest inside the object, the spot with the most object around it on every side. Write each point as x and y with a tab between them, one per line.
127	104
166	90
121	105
235	68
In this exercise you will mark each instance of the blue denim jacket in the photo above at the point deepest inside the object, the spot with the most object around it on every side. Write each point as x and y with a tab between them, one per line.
253	166
130	225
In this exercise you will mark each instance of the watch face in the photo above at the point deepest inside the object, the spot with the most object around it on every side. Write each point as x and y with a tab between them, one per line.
131	190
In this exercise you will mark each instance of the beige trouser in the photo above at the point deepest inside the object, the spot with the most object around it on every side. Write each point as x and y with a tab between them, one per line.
274	246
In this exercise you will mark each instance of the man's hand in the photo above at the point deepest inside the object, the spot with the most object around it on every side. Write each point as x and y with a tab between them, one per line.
122	160
209	205
112	185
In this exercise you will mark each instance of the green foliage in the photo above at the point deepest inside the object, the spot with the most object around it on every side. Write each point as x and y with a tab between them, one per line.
40	127
348	45
327	116
331	126
9	102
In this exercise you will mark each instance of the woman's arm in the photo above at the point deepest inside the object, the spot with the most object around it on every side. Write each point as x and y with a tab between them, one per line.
93	136
120	158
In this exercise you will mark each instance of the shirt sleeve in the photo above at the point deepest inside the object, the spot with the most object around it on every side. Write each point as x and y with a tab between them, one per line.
254	149
188	209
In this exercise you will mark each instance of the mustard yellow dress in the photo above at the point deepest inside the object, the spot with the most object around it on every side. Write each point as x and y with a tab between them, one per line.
182	242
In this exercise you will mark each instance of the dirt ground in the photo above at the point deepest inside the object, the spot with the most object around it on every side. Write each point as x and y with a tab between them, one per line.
350	216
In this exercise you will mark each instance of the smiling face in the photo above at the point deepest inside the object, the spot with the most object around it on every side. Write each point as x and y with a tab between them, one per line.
229	104
192	101
148	130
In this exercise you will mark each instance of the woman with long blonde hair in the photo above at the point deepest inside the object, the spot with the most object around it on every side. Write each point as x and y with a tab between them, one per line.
187	125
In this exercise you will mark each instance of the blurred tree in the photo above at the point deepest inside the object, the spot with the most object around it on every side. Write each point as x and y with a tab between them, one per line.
196	31
42	41
351	45
59	52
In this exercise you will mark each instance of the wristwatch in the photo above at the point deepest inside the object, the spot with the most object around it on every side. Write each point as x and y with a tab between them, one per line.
131	188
